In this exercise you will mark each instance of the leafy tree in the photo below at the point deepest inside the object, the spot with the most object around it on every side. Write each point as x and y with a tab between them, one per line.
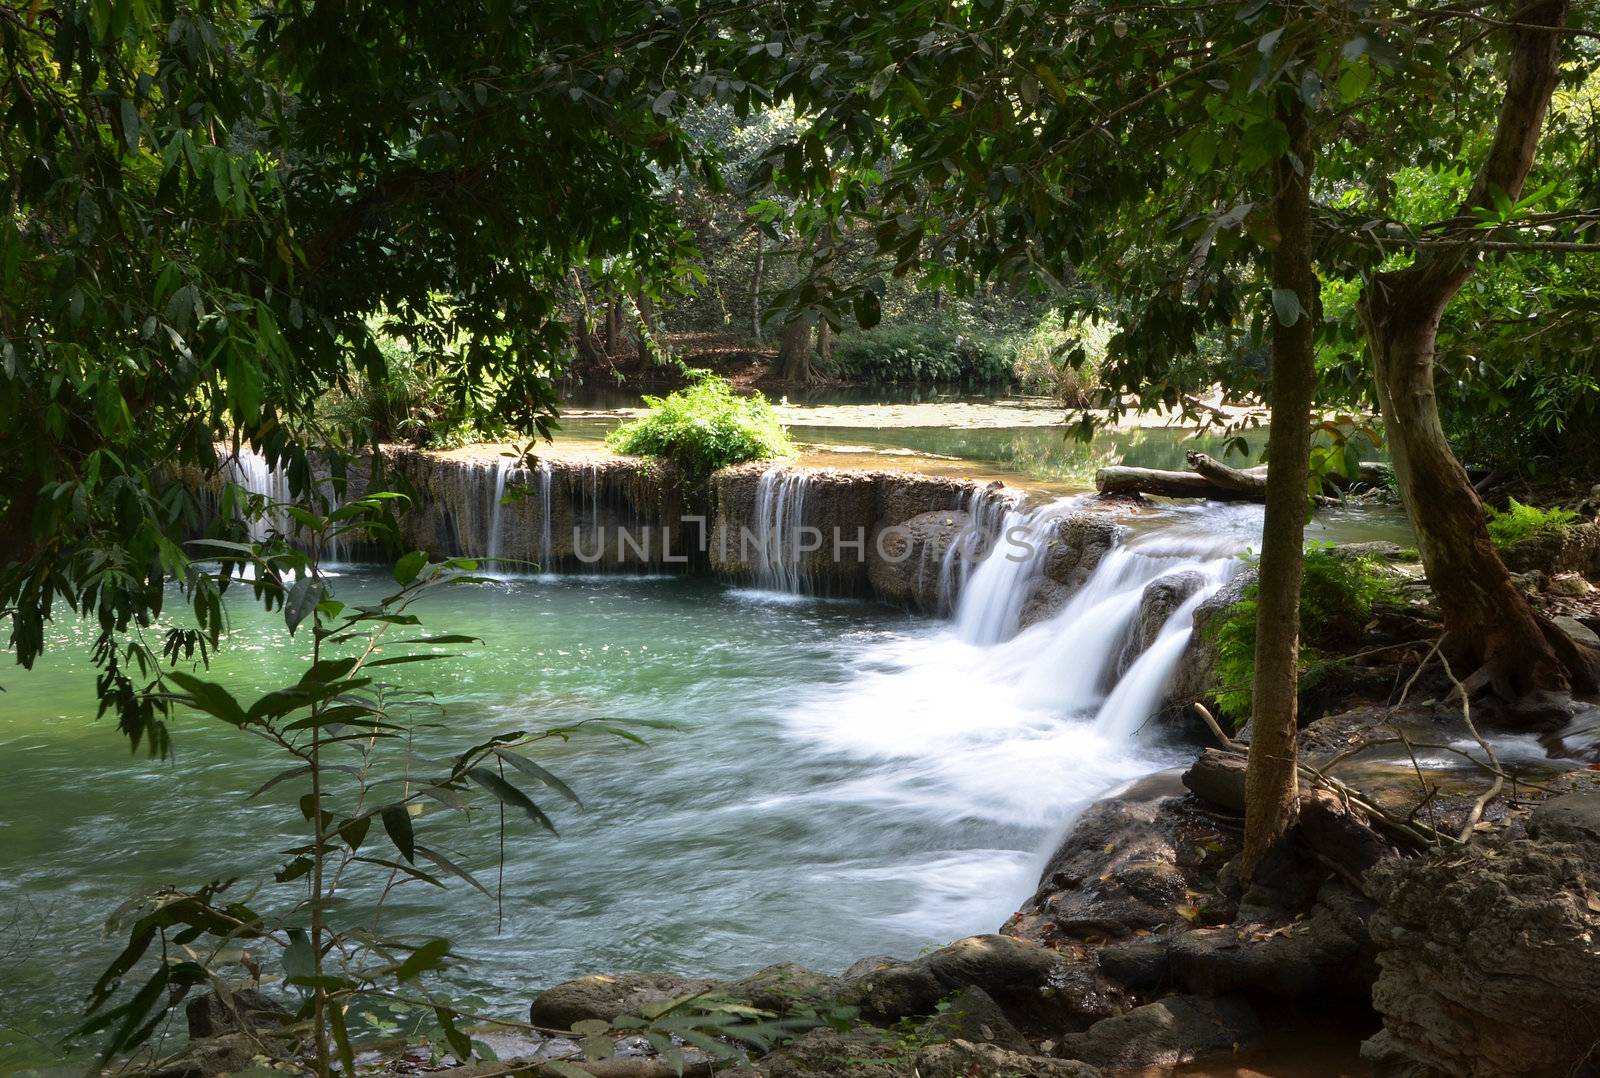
213	215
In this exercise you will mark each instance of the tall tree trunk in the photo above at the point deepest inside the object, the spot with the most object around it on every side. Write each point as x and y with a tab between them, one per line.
613	323
647	326
755	287
1489	624
824	341
583	335
1272	778
794	351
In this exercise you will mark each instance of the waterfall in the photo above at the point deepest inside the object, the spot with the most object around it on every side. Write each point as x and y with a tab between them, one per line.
544	482
780	516
989	607
493	546
986	509
252	474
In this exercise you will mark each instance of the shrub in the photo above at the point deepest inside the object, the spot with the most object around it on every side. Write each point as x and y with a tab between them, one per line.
920	354
1335	587
1042	359
1510	526
703	427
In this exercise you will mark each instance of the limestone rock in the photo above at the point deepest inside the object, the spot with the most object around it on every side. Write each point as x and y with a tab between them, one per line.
962	1058
1570	584
1161	599
212	1056
1573	817
825	1053
1045	600
1079	542
904	561
1033	985
1195	677
1489	960
788	986
972	1015
606	996
1164	1033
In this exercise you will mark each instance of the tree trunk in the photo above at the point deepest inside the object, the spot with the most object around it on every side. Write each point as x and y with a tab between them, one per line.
647	326
613	323
794	352
1272	779
1487	621
824	341
755	287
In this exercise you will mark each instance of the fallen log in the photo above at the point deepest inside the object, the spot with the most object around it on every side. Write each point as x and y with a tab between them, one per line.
1214	480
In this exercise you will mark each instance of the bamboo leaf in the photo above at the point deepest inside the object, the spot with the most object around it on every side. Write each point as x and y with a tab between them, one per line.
510	795
533	770
397	823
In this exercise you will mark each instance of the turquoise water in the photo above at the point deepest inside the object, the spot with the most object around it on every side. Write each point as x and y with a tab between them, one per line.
814	805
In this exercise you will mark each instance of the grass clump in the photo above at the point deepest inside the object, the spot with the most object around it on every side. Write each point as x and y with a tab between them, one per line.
703	427
1510	526
1337	590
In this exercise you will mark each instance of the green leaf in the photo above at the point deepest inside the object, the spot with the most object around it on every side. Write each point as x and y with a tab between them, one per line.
407	568
510	795
354	831
1287	306
397	824
298	961
533	770
211	698
302	601
429	956
454	869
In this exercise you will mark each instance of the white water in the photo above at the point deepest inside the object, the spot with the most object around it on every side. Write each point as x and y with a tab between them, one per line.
252	474
495	543
781	544
544	482
1009	733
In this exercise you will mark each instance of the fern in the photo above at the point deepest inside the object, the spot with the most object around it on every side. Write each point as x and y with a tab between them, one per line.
1512	525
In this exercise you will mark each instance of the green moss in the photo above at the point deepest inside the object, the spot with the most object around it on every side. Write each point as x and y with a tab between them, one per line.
1510	526
1334	585
703	427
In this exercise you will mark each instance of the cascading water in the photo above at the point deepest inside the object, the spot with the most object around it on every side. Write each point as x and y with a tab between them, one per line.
780	518
986	510
252	474
544	482
990	604
494	544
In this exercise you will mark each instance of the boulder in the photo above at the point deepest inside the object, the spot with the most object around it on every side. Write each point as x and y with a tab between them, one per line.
1130	862
826	1053
788	986
962	1059
972	1015
211	1056
1574	548
1034	986
1077	545
605	996
1140	964
1488	959
1046	599
1164	1033
1196	674
904	563
1573	817
1161	599
210	1015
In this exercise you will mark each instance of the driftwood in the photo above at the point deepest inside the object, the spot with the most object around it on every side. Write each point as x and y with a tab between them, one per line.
1208	478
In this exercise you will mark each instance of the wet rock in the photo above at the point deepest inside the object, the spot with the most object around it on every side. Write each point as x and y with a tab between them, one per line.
903	564
962	1059
1140	965
1573	817
1034	986
863	966
1161	599
1489	960
1045	600
972	1015
825	1053
606	996
841	505
1579	632
1167	1032
1130	862
1077	545
1322	954
246	1009
789	986
1196	673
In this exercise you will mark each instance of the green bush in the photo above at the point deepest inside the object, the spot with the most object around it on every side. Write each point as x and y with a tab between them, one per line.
703	427
1043	361
1335	586
1510	526
920	355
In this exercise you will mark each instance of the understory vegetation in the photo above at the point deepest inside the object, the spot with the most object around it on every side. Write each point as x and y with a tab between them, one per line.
705	427
1337	594
1516	522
